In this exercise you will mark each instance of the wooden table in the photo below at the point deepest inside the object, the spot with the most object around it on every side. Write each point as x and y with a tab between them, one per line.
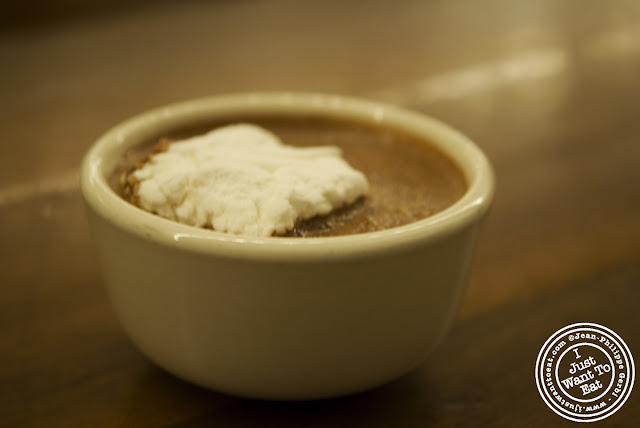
550	90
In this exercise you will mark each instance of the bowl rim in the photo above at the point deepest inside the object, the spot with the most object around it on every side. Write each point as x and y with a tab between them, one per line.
100	198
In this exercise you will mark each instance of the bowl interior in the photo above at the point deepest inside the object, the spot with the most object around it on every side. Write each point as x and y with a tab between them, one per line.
110	149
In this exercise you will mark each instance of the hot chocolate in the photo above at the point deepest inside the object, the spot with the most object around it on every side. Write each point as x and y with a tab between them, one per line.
408	179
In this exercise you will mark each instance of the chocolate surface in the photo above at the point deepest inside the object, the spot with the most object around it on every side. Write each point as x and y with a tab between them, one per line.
409	179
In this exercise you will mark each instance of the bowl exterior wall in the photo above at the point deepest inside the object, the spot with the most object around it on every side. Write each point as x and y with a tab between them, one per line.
296	329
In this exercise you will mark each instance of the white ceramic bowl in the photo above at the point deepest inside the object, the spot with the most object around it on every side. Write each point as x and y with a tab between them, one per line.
284	318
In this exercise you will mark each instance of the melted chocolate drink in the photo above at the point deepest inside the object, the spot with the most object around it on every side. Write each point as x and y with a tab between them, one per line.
408	179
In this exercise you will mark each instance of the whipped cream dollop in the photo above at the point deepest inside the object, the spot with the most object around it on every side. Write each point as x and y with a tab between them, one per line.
242	179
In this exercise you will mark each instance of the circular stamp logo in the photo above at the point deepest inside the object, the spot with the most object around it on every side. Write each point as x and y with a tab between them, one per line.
585	372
